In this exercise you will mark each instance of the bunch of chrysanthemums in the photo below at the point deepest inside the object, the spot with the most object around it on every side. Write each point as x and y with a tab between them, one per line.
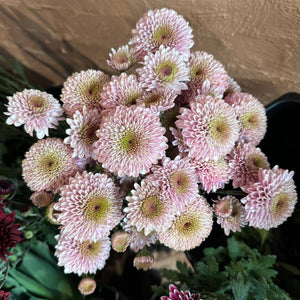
143	151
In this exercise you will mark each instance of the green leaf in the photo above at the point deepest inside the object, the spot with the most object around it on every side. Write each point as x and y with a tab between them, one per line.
159	291
183	268
240	288
171	275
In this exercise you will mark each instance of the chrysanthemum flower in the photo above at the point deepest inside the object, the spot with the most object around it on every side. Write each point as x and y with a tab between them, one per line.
121	59
90	206
81	257
162	27
137	239
212	174
209	128
144	260
244	161
177	179
165	68
87	286
41	198
82	132
230	214
175	294
83	89
251	115
148	209
190	227
130	141
120	241
9	233
158	100
271	200
48	165
37	110
206	75
121	90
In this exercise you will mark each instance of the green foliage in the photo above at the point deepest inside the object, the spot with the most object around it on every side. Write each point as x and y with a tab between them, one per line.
236	272
38	277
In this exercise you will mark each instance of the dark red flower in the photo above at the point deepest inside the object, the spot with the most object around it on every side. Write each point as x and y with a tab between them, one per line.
9	233
175	294
6	187
4	295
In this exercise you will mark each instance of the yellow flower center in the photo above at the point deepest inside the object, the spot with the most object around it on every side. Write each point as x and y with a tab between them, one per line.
37	104
151	207
96	208
89	249
179	182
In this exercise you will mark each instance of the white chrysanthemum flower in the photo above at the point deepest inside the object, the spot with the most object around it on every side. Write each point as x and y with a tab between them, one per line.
165	68
90	206
190	227
148	209
81	257
82	132
121	59
37	110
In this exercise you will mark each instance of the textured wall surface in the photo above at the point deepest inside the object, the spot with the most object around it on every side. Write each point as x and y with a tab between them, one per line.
258	41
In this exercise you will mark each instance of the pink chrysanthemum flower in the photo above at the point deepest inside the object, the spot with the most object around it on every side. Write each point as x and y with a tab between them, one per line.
230	214
177	179
144	260
175	294
81	257
137	239
233	87
121	59
190	227
37	110
48	165
41	198
120	241
82	132
157	100
148	209
83	89
89	206
121	90
245	160
212	174
271	200
251	115
209	128
165	68
87	286
206	75
130	141
162	27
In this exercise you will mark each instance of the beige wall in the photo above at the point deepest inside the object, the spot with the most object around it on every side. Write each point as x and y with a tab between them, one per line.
258	41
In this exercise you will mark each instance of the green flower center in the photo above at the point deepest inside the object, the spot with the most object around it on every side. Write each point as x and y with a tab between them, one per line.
96	208
89	249
219	130
88	133
151	207
250	120
37	104
167	71
152	99
130	142
256	162
279	203
121	58
91	91
179	182
50	163
163	36
186	225
197	73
